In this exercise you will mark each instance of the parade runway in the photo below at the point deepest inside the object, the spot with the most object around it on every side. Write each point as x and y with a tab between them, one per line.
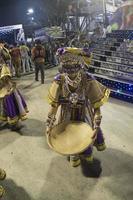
34	172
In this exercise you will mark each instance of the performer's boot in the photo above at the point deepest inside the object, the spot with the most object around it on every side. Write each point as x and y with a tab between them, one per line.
74	161
91	167
2	174
2	191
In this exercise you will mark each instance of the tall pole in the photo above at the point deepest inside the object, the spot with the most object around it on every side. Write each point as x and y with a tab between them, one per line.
113	1
77	18
104	13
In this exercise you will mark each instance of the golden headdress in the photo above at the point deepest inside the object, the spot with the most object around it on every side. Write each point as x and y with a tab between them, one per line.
74	56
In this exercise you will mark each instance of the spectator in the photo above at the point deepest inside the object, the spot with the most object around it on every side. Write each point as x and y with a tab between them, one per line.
25	58
38	57
16	59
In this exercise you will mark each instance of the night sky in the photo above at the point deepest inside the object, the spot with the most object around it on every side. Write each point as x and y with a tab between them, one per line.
14	11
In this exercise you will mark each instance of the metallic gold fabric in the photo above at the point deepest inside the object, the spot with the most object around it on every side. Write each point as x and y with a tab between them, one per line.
5	71
2	174
53	95
74	56
97	93
2	191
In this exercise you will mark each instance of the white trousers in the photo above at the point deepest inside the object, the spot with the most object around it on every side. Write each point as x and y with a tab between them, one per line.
25	65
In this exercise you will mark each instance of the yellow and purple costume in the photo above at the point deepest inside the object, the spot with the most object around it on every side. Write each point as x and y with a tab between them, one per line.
12	104
80	97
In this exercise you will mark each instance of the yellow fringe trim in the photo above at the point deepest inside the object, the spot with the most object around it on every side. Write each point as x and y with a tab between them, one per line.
75	163
13	120
23	118
101	147
103	100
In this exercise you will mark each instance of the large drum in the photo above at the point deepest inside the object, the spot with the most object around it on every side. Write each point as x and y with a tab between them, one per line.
71	138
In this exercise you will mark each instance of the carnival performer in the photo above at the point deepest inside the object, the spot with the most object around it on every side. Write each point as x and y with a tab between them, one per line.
5	57
16	59
25	57
12	105
2	177
38	57
79	96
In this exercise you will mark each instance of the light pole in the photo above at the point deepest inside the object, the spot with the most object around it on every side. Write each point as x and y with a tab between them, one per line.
113	3
30	13
105	13
30	17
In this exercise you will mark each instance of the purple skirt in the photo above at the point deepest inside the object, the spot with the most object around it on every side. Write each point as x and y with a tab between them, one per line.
13	108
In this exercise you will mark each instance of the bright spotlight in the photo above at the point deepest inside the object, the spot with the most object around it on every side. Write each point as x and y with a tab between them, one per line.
30	11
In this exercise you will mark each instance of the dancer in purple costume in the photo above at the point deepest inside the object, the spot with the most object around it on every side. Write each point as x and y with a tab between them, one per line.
12	105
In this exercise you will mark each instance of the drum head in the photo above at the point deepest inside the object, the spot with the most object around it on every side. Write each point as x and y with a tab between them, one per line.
71	138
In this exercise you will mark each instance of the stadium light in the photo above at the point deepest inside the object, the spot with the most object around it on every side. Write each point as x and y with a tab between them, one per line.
30	11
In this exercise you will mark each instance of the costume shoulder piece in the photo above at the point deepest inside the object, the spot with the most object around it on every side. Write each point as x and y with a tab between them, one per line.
54	91
97	93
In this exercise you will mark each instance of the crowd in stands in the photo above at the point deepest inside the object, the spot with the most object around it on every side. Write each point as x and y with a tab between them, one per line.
21	61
